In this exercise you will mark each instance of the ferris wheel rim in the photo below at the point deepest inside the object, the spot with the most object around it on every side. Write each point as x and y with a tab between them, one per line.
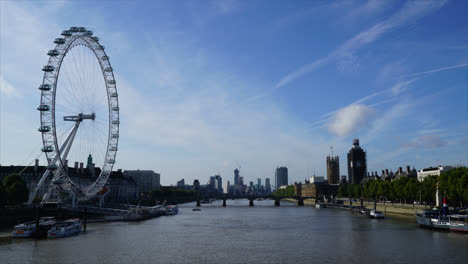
48	118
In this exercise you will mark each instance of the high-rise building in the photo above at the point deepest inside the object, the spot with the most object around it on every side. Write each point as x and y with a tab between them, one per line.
333	169
196	185
236	177
281	177
219	183
90	161
357	163
181	183
259	183
267	185
212	184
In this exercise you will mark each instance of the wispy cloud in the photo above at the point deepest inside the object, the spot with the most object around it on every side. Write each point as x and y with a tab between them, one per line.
410	11
427	141
393	91
437	70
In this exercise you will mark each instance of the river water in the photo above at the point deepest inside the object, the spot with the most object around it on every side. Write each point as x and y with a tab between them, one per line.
243	234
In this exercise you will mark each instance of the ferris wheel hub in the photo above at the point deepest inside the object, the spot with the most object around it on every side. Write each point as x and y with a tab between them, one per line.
80	117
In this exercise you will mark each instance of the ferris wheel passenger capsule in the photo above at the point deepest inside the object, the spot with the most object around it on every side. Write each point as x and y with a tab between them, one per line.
45	87
44	129
66	33
81	29
59	41
95	39
48	68
43	107
108	69
88	33
74	29
47	149
53	53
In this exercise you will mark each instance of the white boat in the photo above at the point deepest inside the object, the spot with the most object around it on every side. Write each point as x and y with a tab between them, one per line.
65	228
171	210
320	205
376	214
24	229
28	229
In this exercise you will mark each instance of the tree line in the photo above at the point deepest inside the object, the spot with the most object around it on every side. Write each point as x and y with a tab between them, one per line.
168	192
13	190
288	191
453	184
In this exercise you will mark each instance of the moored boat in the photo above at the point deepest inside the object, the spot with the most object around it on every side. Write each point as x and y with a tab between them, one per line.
24	229
320	205
451	222
171	210
28	229
65	228
376	214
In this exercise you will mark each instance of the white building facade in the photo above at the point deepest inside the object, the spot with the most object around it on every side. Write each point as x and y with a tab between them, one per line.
431	171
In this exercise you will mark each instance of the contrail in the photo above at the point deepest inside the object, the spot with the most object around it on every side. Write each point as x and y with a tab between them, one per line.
437	70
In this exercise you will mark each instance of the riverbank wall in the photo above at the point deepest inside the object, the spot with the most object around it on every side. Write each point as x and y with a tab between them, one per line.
393	208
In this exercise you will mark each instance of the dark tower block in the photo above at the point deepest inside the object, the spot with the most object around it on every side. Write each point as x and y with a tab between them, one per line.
357	163
333	170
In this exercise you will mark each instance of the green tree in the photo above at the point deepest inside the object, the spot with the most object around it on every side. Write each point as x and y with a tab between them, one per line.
349	190
15	189
411	189
429	189
3	195
18	193
453	184
12	178
343	190
384	189
399	186
357	190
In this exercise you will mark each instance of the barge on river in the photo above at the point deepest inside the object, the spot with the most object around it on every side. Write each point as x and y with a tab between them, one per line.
451	222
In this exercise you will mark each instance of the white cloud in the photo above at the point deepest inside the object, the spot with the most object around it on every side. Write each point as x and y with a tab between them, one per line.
350	119
7	89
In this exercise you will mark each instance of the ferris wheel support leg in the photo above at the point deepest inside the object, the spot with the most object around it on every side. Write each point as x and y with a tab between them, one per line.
47	172
74	201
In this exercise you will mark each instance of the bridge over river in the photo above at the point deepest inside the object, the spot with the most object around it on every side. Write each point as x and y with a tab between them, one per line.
252	198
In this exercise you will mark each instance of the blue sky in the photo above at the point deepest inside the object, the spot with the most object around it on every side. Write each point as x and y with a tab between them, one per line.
204	84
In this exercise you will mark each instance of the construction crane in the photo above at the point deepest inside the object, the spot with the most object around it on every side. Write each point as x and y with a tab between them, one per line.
238	165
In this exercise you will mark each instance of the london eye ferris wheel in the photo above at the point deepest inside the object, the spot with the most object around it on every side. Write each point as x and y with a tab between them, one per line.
79	111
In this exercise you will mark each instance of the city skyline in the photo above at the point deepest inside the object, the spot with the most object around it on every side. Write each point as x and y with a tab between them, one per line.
210	84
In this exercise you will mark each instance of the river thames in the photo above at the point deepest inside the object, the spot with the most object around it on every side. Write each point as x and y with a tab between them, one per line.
243	234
